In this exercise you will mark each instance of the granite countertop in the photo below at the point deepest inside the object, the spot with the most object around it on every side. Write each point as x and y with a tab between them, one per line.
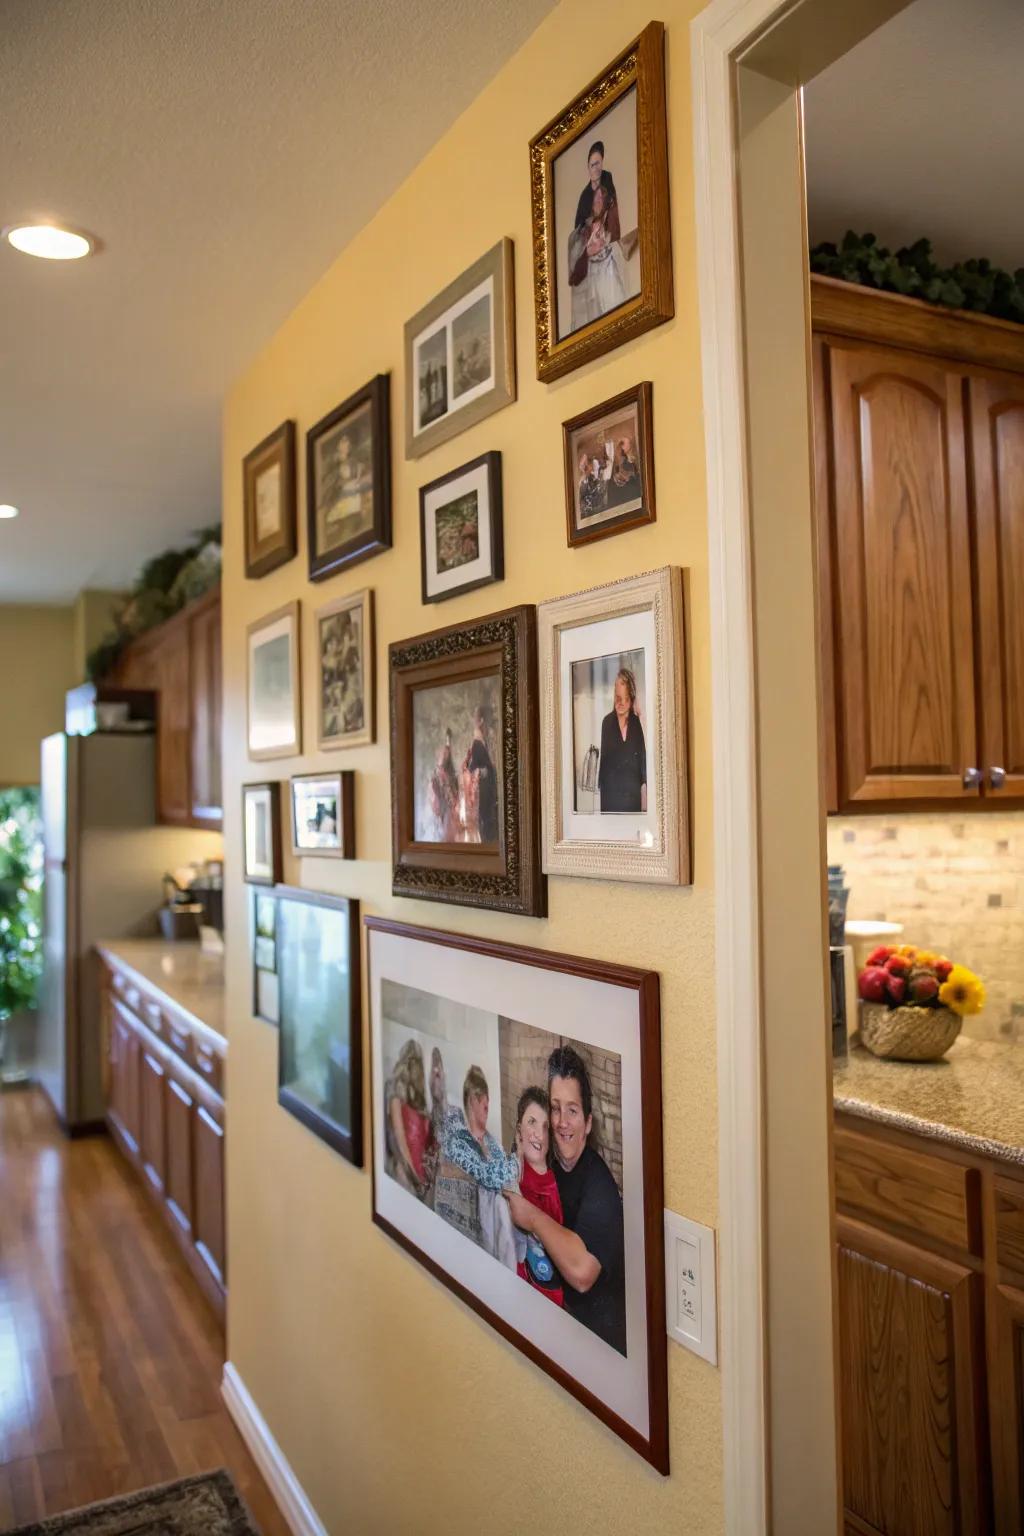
972	1099
193	982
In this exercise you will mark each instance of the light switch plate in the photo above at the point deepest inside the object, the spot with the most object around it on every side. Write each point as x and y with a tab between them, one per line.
690	1285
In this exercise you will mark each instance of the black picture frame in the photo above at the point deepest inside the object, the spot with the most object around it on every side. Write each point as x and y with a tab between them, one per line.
491	462
362	546
272	789
349	1142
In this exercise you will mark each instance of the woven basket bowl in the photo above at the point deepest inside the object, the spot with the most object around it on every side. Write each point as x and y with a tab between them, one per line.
908	1034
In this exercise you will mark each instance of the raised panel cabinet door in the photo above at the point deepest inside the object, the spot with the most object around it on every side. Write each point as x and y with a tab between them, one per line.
126	1077
174	727
1006	1408
207	799
153	1140
901	582
997	434
208	1227
180	1108
911	1384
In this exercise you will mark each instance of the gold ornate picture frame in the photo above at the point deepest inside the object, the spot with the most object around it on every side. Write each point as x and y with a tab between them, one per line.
604	274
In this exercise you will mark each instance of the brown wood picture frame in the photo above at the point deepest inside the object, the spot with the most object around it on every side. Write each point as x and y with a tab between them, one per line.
271	790
346	1140
343	785
503	874
263	555
362	545
646	1138
484	569
640	398
640	66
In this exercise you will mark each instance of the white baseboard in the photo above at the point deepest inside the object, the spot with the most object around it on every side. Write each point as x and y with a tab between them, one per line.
288	1492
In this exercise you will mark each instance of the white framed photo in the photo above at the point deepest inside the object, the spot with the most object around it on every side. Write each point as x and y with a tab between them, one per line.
461	544
261	820
613	730
346	672
274	709
323	814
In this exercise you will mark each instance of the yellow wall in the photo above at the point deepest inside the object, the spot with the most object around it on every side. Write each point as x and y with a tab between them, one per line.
37	653
399	1410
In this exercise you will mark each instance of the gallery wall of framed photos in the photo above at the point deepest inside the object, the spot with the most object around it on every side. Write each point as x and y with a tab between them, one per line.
507	492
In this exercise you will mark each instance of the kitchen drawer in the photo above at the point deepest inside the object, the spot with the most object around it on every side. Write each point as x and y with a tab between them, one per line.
179	1040
152	1016
1009	1197
909	1190
209	1064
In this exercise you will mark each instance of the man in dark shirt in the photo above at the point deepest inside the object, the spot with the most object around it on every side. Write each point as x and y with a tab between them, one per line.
588	1250
599	177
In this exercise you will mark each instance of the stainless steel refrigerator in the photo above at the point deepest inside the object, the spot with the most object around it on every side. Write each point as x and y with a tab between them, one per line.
105	856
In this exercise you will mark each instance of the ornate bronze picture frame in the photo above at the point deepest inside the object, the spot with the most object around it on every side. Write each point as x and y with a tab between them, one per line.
603	256
271	522
465	807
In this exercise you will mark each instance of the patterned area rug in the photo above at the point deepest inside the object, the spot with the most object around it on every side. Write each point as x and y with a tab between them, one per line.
207	1505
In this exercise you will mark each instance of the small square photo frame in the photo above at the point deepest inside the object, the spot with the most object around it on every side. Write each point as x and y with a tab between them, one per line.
323	814
609	467
348	481
271	522
261	823
461	539
346	672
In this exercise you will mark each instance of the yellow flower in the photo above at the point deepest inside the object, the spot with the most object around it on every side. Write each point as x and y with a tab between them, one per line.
962	991
926	958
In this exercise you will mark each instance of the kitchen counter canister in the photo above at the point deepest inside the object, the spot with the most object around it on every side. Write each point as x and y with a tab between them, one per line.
191	981
973	1098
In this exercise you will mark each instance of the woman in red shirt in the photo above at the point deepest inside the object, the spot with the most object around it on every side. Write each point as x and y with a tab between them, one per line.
537	1184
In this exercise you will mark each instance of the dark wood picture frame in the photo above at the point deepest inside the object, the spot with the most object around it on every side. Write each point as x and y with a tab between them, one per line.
641	65
506	877
641	397
646	985
349	1144
378	538
346	782
263	556
273	791
495	522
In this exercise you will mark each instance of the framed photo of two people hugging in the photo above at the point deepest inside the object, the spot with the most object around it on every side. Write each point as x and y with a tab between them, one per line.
517	1153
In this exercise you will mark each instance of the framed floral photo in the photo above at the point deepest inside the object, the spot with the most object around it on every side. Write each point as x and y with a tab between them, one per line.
348	481
464	791
613	725
460	353
601	228
268	480
323	814
274	698
461	545
347	672
516	1100
609	467
261	823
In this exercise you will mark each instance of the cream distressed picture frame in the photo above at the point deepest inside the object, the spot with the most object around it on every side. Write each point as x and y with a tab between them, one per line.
659	850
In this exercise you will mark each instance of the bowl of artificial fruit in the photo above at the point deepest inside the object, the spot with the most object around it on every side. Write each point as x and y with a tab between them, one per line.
913	1002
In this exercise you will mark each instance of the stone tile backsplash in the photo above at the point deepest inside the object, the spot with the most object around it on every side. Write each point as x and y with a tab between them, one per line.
956	883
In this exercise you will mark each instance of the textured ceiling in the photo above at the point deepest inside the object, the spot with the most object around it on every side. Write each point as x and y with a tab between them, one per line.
920	131
224	151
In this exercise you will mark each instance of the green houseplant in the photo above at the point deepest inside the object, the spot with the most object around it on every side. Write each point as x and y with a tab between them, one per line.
974	285
21	915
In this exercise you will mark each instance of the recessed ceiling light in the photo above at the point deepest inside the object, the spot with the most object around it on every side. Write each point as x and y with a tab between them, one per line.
6	510
49	241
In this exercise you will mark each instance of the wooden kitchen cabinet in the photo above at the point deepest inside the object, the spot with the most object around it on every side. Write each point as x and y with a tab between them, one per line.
180	661
919	503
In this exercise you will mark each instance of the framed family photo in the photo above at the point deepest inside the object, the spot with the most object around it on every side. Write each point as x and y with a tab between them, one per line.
613	725
464	791
274	701
460	353
348	481
265	998
601	227
517	1154
320	1041
609	467
268	479
261	823
347	672
323	814
461	543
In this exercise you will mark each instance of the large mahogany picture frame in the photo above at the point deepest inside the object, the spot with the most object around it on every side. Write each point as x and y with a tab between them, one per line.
645	985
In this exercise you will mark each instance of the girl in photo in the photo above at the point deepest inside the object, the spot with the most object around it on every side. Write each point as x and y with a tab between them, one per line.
538	1185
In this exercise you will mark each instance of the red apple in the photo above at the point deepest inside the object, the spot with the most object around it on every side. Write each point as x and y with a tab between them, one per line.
896	987
872	984
942	969
924	987
898	965
880	955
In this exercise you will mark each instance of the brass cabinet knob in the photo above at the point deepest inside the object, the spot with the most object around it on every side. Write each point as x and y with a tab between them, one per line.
996	777
972	778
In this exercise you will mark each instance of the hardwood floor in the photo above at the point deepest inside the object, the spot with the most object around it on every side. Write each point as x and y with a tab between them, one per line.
110	1360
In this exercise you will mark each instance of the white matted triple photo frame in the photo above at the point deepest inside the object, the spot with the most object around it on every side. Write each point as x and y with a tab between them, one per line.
613	731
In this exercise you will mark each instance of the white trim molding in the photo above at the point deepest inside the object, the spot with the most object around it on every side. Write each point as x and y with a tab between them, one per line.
289	1495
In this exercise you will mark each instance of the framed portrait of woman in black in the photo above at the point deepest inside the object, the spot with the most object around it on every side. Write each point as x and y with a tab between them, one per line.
601	229
348	481
464	781
613	724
